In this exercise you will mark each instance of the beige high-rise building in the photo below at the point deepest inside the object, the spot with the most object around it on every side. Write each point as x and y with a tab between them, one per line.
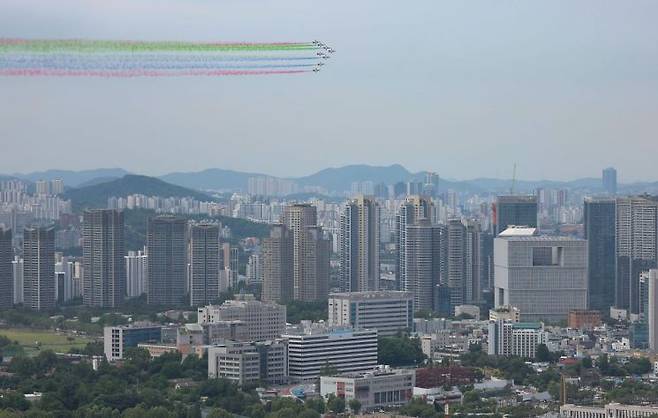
359	245
277	257
310	253
414	208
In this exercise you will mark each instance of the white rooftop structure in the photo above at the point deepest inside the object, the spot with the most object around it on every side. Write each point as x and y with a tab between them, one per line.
518	231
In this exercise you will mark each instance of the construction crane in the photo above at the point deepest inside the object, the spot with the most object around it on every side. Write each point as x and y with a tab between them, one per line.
511	190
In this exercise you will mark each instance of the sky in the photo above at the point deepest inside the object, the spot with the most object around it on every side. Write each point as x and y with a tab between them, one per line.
562	88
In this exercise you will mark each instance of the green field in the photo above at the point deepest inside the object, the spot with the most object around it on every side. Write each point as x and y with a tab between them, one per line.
34	341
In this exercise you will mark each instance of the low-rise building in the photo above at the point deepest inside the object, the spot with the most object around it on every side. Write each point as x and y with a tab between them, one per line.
515	339
468	310
611	410
505	313
313	346
248	363
264	321
389	312
584	319
379	388
119	338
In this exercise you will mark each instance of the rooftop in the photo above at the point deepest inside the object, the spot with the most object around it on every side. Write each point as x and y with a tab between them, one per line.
518	231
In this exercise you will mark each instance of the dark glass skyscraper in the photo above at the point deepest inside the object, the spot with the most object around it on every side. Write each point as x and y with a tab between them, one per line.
167	260
515	210
204	264
609	179
599	228
39	268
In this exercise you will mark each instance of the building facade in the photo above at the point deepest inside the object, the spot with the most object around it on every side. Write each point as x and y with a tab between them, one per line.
103	258
249	363
389	312
167	260
204	264
520	339
359	245
136	273
413	208
277	254
6	269
544	276
599	229
514	211
423	261
39	268
117	339
312	347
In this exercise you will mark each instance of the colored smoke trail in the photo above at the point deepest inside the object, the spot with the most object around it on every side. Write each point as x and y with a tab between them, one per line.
91	58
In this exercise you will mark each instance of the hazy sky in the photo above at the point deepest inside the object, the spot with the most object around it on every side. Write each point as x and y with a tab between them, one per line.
465	88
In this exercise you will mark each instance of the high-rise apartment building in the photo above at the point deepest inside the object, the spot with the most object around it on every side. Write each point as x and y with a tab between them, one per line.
136	273
310	253
514	210
103	258
424	253
228	267
204	264
609	180
39	268
6	269
167	260
652	276
414	208
17	267
636	250
599	228
544	276
277	254
359	245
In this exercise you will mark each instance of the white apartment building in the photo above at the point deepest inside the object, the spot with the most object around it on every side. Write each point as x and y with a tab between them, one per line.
389	312
264	321
248	363
379	388
515	338
312	346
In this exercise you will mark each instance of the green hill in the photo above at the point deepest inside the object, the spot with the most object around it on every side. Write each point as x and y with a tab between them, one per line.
96	195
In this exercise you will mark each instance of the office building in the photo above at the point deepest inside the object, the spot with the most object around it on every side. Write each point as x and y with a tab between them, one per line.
388	312
609	180
382	387
520	339
117	339
314	346
136	273
264	321
423	258
247	363
39	268
103	258
636	250
611	410
359	245
514	211
413	209
6	269
277	254
652	309
599	229
204	264
544	276
310	253
167	260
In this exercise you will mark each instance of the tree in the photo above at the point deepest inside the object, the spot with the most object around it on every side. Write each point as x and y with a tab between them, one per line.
219	413
355	405
543	354
336	404
587	363
399	351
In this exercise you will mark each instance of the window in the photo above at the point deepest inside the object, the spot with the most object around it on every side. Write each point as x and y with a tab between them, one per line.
547	256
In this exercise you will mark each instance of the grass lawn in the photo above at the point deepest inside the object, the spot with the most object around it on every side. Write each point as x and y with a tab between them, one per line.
47	339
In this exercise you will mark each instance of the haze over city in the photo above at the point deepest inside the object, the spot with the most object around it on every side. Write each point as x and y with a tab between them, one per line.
464	89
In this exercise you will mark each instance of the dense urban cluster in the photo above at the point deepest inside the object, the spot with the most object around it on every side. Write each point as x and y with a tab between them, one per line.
402	299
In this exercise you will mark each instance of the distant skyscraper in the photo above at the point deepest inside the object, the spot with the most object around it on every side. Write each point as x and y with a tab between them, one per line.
310	253
414	208
653	309
39	268
473	249
17	269
228	267
204	264
609	179
6	269
103	252
599	228
167	260
515	210
136	273
277	257
423	259
637	233
359	245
